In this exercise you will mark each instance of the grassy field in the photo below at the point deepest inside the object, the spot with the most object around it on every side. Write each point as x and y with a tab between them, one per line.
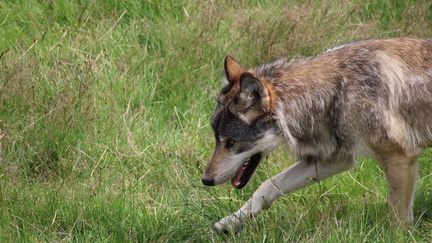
104	120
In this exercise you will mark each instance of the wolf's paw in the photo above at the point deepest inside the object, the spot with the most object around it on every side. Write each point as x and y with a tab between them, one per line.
228	225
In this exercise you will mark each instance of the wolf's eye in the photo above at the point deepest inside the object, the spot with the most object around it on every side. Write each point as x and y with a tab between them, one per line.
229	143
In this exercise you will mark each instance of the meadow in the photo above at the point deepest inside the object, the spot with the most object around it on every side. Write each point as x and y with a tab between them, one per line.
105	109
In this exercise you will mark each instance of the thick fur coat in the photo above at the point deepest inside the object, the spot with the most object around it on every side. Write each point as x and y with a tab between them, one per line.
370	98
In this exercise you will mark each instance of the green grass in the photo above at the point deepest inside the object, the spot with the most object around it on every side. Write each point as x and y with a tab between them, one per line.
104	120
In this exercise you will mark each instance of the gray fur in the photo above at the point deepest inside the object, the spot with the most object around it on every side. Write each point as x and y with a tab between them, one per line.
370	97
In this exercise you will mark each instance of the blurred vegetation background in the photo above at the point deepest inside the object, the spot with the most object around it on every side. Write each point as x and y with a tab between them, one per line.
104	119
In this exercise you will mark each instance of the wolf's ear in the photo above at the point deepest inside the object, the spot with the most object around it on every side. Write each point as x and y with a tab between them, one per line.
233	70
253	90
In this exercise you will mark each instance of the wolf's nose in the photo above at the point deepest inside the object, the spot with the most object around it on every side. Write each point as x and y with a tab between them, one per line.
207	181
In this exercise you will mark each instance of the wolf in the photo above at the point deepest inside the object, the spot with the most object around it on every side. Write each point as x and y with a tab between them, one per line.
366	98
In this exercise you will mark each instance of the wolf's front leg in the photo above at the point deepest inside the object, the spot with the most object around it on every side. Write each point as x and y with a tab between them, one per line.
295	177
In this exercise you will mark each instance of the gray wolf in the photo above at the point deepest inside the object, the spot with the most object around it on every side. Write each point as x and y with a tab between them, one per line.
366	98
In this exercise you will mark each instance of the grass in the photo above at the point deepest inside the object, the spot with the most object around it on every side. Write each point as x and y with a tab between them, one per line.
104	120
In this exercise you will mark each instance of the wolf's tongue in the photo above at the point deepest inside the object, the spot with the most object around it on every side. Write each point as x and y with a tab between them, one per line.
236	180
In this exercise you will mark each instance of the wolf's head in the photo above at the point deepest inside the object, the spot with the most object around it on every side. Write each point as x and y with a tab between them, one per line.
244	127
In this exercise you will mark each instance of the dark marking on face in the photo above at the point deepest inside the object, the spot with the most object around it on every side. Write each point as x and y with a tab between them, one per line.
232	127
244	146
215	120
228	125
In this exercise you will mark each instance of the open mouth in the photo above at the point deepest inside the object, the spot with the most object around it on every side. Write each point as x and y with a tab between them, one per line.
245	172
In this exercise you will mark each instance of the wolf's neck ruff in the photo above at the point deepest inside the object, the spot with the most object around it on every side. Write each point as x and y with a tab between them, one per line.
302	100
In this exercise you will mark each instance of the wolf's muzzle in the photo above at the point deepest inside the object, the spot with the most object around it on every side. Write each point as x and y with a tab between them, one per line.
207	181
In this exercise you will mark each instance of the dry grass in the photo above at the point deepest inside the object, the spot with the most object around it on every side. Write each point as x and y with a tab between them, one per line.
104	110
